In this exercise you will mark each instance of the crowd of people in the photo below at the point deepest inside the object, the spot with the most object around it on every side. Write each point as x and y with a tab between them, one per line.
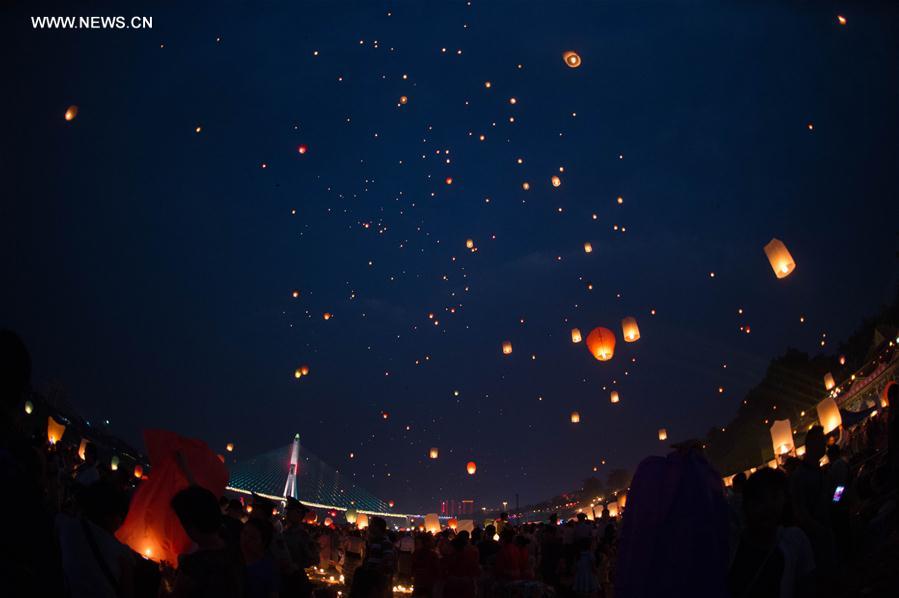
796	530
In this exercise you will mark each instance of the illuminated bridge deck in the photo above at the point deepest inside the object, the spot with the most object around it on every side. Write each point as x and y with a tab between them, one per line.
319	485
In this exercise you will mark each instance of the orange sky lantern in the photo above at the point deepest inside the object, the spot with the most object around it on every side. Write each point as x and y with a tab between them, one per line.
829	382
663	434
138	471
572	59
575	417
471	467
555	180
629	329
229	447
779	257
588	247
55	430
507	347
601	343
575	335
433	453
614	396
71	112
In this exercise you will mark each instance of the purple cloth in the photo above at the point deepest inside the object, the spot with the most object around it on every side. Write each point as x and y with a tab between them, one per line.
674	538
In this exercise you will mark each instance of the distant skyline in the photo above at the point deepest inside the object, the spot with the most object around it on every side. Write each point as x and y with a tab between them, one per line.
236	154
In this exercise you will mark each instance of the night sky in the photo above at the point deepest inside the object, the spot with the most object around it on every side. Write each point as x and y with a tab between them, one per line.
150	267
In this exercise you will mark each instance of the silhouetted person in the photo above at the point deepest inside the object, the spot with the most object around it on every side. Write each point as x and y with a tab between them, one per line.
810	501
771	560
28	558
213	569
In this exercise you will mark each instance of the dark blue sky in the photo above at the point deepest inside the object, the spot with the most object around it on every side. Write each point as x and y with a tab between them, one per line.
150	268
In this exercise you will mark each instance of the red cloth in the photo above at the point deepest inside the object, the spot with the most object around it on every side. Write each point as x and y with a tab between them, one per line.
151	527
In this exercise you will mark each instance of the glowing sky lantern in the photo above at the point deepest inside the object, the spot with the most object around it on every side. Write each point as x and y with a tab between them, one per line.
433	453
782	437
71	112
390	503
298	373
601	343
449	180
304	369
829	415
469	243
453	523
829	382
572	59
629	329
114	463
138	471
841	19
613	509
326	316
614	396
507	347
55	430
575	335
781	261
663	434
622	500
471	467
82	447
556	181
588	247
432	523
328	521
575	417
351	516
29	407
403	99
362	521
229	447
302	148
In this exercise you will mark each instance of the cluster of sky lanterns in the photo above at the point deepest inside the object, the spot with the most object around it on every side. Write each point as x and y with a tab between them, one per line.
301	371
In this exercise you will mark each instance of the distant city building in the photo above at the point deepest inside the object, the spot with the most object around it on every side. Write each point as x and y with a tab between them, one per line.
453	508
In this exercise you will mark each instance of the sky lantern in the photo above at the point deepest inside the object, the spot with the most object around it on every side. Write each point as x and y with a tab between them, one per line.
362	521
829	382
469	243
351	516
629	329
453	523
841	19
433	453
114	463
575	417
781	261
588	247
303	148
71	112
471	467
613	509
525	185
575	335
404	100
663	434
842	360
572	59
82	447
601	343
507	347
829	415
449	180
390	503
622	500
432	523
614	396
138	471
55	430
229	447
29	407
782	437
555	180
326	316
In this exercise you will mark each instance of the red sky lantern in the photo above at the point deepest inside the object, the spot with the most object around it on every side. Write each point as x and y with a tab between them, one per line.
601	343
303	148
